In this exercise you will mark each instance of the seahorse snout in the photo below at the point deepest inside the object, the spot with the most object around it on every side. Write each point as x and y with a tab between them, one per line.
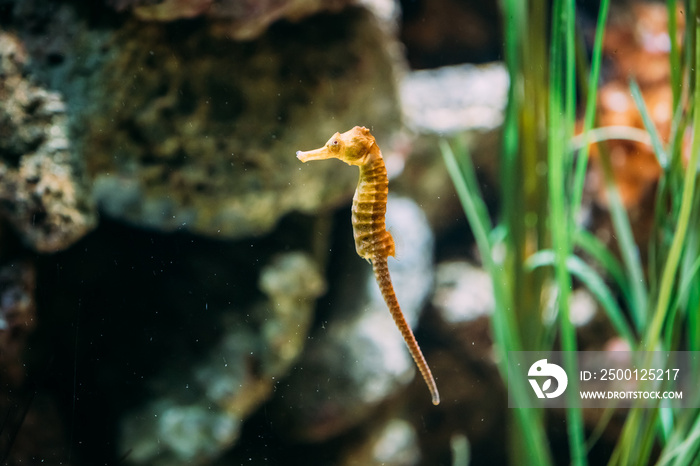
317	154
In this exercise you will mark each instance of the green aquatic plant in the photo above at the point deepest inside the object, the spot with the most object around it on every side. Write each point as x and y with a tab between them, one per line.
536	244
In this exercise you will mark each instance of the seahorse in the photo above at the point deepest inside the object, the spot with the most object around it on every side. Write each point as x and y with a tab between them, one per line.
372	241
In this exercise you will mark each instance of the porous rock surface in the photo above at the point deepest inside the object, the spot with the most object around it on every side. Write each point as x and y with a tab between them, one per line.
43	193
180	127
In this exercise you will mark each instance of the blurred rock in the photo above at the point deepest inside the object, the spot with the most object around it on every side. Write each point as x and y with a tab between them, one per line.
246	19
32	430
358	359
17	318
197	411
43	192
464	102
463	292
455	98
291	282
446	32
464	303
209	148
168	432
395	444
183	128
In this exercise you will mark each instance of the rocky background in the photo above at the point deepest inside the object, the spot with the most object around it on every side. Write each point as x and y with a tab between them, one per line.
176	288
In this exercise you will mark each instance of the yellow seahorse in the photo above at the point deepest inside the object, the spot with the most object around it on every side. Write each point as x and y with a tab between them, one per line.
372	241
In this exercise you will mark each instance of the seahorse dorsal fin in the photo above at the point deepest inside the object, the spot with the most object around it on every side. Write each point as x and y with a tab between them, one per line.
398	244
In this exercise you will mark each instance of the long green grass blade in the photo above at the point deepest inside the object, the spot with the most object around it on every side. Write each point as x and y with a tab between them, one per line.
684	445
656	143
688	283
592	246
590	112
675	54
674	255
595	285
506	336
628	247
562	107
464	180
474	208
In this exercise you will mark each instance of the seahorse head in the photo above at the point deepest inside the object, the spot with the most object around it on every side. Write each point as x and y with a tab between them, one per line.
352	147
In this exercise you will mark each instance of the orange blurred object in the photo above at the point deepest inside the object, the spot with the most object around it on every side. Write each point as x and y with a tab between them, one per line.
637	46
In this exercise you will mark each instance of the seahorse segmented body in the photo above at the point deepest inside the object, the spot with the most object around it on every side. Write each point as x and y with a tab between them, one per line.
372	241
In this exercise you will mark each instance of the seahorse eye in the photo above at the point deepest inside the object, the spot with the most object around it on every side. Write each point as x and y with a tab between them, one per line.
333	145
